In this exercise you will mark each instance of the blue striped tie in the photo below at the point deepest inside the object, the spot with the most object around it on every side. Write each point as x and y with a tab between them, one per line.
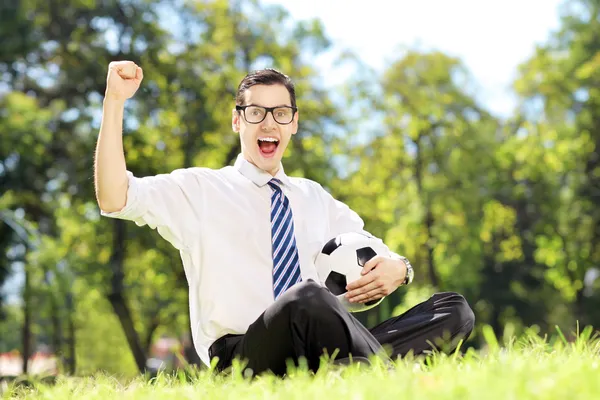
286	265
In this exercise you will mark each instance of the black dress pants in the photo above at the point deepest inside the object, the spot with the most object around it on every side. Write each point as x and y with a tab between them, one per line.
307	321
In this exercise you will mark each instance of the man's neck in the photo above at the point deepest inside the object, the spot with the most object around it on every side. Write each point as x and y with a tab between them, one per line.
272	172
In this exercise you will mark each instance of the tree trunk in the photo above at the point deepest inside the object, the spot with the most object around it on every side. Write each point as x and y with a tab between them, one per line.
71	359
117	299
120	307
26	320
435	280
55	315
429	220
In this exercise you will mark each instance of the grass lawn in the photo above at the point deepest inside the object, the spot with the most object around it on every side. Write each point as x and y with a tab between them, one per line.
530	368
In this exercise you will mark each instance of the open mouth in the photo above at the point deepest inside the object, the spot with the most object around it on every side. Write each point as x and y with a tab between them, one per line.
267	146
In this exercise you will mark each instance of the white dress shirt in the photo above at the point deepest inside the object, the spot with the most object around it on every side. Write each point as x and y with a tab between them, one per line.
219	220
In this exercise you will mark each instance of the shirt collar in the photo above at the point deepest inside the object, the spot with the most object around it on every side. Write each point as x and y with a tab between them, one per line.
257	175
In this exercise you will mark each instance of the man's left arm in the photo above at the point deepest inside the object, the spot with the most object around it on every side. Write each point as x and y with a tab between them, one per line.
382	274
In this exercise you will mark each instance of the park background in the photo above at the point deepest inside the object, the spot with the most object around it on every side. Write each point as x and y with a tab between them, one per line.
464	133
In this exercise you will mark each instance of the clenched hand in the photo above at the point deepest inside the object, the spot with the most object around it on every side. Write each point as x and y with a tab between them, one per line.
123	80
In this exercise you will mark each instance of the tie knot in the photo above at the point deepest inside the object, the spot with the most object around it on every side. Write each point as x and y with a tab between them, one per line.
275	184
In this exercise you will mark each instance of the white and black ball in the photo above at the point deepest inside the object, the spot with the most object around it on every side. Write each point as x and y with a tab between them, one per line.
341	261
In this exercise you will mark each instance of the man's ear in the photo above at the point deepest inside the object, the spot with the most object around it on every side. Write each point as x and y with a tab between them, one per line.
235	120
295	123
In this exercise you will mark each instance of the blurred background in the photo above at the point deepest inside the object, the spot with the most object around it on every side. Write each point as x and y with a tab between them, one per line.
465	134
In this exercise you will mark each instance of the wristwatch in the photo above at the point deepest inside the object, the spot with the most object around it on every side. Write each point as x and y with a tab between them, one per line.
410	273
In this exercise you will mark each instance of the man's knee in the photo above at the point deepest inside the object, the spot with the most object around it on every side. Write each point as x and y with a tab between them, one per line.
310	299
462	314
308	288
462	318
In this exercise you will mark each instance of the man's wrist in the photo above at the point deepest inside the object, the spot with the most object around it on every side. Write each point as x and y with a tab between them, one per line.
112	102
408	271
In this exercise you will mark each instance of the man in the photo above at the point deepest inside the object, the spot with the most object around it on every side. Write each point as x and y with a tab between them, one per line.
248	235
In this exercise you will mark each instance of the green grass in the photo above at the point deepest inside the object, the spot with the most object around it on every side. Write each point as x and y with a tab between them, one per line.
530	368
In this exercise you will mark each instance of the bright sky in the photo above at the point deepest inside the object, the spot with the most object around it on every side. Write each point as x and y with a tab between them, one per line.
491	38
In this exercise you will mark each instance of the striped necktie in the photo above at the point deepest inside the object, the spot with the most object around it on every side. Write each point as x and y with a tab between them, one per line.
286	265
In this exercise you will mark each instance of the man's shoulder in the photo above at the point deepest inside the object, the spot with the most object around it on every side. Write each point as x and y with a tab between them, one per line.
197	176
203	172
300	181
306	184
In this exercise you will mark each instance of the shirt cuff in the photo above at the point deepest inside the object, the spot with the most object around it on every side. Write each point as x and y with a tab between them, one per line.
129	211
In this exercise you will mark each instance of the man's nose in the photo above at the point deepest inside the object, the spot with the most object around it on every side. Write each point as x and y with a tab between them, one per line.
269	121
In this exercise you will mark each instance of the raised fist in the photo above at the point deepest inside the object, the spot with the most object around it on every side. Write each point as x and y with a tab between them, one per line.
123	80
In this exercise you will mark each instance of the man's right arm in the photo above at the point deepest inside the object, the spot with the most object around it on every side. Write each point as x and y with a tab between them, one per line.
110	170
169	202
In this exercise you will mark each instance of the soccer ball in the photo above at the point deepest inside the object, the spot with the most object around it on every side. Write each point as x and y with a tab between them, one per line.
341	260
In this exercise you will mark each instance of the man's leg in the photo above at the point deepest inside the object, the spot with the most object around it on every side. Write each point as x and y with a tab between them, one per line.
438	323
305	322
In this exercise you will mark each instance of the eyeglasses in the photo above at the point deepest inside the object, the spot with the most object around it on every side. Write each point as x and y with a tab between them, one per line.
256	114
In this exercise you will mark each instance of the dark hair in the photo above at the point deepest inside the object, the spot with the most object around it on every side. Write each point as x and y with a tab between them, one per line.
268	76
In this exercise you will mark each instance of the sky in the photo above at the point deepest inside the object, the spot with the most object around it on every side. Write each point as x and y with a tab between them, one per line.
491	38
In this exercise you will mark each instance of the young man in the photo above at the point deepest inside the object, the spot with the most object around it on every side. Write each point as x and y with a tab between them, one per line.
248	235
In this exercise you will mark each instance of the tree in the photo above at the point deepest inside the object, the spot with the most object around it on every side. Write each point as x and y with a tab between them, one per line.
560	97
416	183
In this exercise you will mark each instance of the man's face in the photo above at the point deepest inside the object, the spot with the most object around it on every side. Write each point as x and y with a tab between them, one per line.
264	143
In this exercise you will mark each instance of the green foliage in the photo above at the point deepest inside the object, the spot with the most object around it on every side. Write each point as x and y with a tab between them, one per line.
499	210
558	87
100	342
413	297
10	327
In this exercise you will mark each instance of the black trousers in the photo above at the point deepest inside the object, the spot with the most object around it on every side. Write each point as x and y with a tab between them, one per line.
307	321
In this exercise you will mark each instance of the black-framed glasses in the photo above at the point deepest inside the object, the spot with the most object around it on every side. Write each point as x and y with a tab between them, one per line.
256	114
